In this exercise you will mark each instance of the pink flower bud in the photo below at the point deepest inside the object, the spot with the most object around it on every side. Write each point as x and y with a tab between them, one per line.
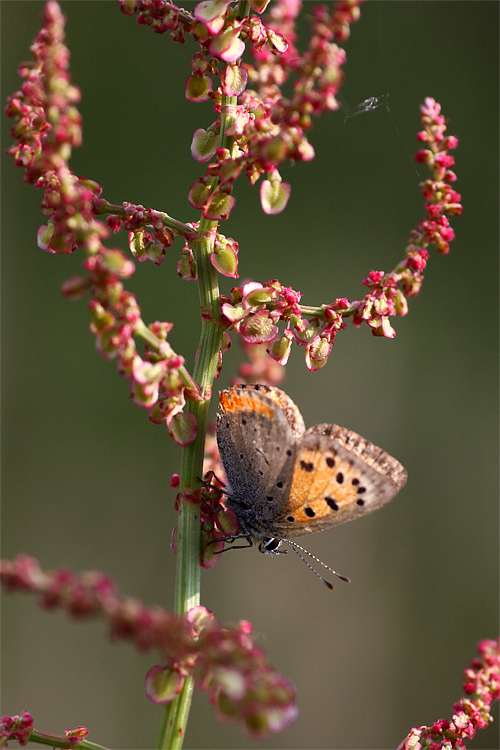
306	332
424	157
101	318
274	196
234	313
116	262
186	267
137	246
163	684
144	395
129	7
76	287
256	295
156	253
412	741
451	142
182	428
227	522
199	618
227	45
234	80
198	194
147	373
76	734
219	206
211	13
203	145
274	150
225	259
259	6
317	353
198	88
401	303
91	185
281	348
384	328
213	548
276	42
44	236
259	328
108	342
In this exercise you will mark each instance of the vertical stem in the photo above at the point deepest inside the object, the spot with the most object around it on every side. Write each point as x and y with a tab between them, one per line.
187	586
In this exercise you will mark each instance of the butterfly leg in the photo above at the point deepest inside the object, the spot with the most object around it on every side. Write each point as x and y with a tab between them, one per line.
230	540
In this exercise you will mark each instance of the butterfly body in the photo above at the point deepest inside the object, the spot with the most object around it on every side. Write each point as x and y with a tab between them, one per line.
286	482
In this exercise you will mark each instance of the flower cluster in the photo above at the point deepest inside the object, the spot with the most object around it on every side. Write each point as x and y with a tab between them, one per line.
388	292
233	671
440	197
254	310
16	728
75	736
262	126
483	686
225	662
47	126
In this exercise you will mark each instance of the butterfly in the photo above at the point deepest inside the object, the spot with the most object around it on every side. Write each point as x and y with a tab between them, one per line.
286	482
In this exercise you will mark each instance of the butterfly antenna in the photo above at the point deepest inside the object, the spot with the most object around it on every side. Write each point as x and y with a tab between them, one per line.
296	548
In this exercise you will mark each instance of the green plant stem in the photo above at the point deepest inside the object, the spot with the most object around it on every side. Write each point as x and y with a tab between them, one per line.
187	586
52	740
104	208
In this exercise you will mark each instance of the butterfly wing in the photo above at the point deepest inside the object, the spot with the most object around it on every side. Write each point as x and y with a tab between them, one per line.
338	476
256	443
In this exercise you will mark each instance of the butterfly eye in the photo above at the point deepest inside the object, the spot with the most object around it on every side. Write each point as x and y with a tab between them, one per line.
270	546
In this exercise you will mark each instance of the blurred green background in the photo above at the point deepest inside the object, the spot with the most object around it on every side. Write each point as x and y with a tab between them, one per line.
86	475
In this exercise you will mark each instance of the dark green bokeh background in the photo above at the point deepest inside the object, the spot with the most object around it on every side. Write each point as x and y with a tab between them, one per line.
86	475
